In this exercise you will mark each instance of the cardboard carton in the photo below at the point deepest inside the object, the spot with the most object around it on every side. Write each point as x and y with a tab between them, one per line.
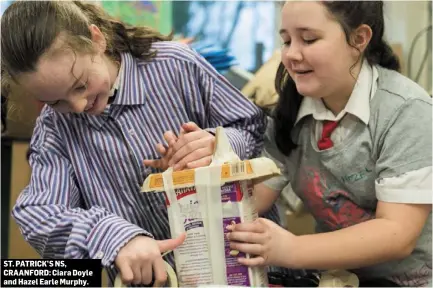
203	202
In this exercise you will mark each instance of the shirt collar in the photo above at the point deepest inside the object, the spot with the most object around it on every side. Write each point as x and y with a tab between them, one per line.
358	104
129	84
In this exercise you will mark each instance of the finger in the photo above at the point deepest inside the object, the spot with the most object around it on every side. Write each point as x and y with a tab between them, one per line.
247	237
161	149
182	132
190	147
170	138
252	262
157	164
126	273
146	274
195	155
188	138
256	227
159	272
205	161
190	127
252	249
136	269
171	244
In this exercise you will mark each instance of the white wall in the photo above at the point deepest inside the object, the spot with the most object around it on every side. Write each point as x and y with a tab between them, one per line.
403	21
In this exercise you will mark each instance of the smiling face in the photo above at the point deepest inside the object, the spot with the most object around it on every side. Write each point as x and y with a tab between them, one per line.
315	53
69	81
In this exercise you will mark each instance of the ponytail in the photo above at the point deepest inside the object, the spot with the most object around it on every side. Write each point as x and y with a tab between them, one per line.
382	54
286	111
122	37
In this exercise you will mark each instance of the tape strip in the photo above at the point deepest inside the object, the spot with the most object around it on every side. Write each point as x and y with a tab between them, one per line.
174	217
208	187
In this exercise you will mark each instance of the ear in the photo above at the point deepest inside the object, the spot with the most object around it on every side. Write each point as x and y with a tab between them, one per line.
98	38
361	37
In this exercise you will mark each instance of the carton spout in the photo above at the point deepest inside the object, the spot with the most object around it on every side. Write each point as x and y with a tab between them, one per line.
223	151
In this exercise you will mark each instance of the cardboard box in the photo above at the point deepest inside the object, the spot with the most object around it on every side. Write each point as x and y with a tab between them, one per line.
202	202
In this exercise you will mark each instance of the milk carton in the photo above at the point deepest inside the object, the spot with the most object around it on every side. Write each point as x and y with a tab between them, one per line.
203	202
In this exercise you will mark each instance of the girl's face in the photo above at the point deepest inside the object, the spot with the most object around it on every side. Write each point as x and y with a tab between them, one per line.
315	51
73	82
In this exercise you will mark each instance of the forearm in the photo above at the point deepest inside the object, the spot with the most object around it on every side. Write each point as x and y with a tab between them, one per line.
264	197
73	232
364	244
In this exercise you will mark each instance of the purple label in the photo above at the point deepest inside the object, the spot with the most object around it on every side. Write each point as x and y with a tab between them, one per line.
237	274
231	192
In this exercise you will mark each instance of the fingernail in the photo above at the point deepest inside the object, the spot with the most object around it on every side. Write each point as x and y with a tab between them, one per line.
176	167
227	235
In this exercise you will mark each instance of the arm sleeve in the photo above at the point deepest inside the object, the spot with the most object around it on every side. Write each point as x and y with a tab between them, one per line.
221	104
50	211
405	156
272	152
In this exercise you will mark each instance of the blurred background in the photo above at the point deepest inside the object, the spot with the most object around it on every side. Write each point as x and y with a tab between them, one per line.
245	36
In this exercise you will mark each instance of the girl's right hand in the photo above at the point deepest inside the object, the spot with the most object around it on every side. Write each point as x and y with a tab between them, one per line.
141	258
165	152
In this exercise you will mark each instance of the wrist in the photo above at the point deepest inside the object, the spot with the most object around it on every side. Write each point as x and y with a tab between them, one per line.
292	245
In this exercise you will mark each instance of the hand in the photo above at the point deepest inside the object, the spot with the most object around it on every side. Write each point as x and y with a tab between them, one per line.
193	149
141	256
270	243
165	152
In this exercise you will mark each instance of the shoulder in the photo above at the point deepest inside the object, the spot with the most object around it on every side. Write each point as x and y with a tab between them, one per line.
398	96
45	132
179	55
399	88
172	50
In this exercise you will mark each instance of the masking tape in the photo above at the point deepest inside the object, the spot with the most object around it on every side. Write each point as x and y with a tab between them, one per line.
171	278
208	187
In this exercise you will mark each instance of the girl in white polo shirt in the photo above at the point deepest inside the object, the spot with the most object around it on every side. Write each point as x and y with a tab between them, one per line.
353	138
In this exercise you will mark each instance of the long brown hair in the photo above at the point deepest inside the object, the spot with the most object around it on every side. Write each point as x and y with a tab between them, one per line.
350	15
29	28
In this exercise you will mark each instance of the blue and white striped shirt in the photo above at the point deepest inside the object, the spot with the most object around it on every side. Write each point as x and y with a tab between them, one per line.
84	199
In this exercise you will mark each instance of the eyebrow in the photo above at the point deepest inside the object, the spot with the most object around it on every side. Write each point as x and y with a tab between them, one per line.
302	29
283	31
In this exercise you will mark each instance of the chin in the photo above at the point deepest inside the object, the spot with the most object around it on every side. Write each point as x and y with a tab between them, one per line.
308	92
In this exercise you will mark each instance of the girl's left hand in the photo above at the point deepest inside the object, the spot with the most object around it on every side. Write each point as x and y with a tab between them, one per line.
270	243
193	149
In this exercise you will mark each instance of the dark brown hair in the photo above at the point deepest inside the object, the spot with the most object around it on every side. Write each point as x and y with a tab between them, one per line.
350	15
29	28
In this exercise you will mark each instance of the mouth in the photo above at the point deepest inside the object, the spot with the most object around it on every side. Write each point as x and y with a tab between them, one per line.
90	106
303	72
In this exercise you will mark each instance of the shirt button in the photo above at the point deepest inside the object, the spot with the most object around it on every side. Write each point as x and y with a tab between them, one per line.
99	255
131	132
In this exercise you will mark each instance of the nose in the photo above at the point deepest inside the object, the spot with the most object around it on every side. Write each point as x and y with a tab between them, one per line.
77	105
293	53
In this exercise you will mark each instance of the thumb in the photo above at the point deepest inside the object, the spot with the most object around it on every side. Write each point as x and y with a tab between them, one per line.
190	127
171	244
